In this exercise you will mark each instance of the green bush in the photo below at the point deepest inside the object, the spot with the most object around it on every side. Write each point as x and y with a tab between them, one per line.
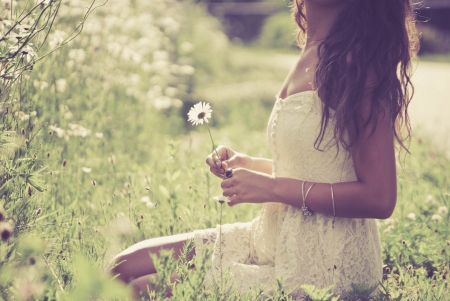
279	31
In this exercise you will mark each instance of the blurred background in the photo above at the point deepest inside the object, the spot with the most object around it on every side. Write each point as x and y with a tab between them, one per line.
267	24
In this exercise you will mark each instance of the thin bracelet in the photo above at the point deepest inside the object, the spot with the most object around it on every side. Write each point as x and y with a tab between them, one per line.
306	211
303	192
332	202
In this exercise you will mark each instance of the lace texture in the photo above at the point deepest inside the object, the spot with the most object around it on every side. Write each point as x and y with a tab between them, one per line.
282	242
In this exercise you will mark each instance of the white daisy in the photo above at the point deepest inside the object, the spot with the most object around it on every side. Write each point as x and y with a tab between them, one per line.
86	169
199	112
221	199
412	216
442	210
436	218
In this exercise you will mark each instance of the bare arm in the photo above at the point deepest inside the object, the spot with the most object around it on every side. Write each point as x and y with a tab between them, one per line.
232	159
373	195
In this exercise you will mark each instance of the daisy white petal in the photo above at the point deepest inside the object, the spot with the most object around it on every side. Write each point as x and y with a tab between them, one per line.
200	112
222	199
86	169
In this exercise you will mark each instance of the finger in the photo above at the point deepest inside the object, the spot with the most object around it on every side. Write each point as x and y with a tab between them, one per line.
224	152
229	192
233	162
227	183
216	172
234	200
216	161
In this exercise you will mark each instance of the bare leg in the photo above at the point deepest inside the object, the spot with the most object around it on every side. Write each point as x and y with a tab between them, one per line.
142	285
135	261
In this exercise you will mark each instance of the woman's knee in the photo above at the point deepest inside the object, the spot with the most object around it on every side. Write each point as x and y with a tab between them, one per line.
135	261
117	268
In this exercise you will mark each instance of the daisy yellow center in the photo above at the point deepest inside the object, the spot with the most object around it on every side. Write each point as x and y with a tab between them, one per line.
201	115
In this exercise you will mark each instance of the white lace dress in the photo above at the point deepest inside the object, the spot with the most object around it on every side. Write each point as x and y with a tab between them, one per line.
281	242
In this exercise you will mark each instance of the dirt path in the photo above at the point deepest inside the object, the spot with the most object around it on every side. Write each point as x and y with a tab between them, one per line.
430	108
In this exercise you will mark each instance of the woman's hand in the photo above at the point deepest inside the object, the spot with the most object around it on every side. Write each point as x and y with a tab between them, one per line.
247	186
228	158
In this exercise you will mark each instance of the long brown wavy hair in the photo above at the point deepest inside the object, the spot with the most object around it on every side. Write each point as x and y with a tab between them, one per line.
369	36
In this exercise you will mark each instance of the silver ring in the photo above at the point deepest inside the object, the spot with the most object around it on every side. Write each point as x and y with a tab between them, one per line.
229	173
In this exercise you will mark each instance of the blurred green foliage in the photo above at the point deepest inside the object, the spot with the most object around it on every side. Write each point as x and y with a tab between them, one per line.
279	31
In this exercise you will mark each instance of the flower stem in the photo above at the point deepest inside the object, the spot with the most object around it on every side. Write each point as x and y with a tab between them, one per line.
214	147
220	247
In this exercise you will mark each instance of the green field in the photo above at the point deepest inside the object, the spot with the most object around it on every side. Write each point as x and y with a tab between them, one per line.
97	154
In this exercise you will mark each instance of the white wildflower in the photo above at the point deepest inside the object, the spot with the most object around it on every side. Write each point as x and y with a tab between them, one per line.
22	116
199	112
86	169
56	38
59	132
162	102
187	70
68	115
61	85
436	218
389	222
411	216
442	210
41	85
388	228
222	199
186	47
99	135
147	202
78	130
78	55
430	200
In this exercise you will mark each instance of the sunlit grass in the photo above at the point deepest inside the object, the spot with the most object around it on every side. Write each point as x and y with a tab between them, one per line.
121	163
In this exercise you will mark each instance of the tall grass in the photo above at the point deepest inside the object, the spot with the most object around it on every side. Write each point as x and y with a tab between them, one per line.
97	155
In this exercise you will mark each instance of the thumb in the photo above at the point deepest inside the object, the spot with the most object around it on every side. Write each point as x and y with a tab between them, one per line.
233	162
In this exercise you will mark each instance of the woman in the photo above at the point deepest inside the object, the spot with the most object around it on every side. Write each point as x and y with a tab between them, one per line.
332	134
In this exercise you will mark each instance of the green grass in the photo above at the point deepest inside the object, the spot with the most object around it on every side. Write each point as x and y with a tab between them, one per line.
97	203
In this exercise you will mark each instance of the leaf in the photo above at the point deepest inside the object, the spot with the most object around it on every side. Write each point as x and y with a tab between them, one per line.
317	294
164	192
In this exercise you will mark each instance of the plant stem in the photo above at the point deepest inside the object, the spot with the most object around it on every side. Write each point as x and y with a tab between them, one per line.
220	247
214	147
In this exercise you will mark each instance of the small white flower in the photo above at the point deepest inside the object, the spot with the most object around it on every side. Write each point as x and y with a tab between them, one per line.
61	85
56	38
99	135
86	169
148	203
388	228
22	116
59	132
221	199
186	47
436	218
145	199
430	200
389	222
186	69
411	216
442	210
199	112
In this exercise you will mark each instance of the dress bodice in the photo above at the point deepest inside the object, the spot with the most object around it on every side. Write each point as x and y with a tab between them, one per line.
293	128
